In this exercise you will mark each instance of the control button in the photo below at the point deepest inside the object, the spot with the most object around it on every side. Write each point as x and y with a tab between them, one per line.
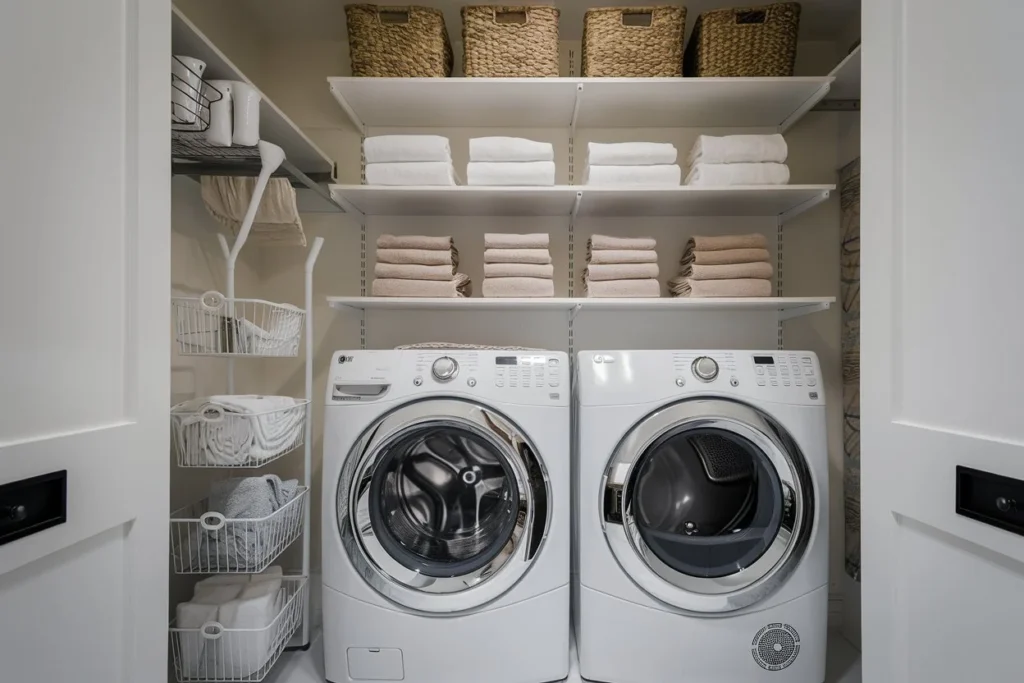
553	362
771	370
418	381
705	368
775	382
811	382
759	369
734	382
598	359
807	360
761	381
444	369
499	382
785	382
799	382
680	382
471	382
797	371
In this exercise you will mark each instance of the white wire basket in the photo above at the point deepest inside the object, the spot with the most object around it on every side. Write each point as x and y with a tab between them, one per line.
214	432
215	653
214	325
203	541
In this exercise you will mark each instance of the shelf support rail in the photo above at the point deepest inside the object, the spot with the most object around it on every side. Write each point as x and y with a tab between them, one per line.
808	105
792	213
575	109
347	108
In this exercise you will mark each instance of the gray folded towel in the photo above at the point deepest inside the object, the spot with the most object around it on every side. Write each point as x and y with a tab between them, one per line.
542	256
251	497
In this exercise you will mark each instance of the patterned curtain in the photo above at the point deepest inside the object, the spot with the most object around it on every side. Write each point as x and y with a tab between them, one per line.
849	179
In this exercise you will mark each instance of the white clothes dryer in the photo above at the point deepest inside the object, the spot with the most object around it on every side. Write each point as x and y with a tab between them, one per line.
446	516
702	517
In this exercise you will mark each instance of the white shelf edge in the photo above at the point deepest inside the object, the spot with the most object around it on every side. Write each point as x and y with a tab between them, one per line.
846	85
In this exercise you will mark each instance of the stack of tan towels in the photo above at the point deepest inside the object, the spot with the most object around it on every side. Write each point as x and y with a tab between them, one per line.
621	267
727	265
418	265
517	266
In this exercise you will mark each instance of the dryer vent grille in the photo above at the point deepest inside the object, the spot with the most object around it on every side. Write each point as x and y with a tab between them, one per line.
775	646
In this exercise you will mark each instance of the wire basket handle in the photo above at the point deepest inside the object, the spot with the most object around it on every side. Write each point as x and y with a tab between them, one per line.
212	301
212	630
211	413
217	523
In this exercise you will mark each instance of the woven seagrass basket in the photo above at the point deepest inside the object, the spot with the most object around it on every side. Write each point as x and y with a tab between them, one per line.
398	41
752	42
633	42
510	42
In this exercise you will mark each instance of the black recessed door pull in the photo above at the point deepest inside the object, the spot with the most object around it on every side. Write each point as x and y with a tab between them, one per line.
31	505
990	498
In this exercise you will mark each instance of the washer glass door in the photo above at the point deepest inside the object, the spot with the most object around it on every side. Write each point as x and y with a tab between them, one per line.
442	504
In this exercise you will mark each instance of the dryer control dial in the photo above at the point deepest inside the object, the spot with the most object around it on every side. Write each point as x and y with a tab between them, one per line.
705	368
444	369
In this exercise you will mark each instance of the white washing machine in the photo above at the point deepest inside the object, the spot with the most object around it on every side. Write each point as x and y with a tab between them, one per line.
702	518
446	516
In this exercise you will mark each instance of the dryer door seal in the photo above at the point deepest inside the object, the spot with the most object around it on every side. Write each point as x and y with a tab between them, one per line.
708	505
443	505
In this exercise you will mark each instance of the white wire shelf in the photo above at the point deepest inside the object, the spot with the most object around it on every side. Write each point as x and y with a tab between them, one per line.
215	653
784	201
577	102
208	434
785	307
214	325
203	541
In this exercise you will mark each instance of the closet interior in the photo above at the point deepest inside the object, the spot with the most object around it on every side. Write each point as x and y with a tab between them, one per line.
255	322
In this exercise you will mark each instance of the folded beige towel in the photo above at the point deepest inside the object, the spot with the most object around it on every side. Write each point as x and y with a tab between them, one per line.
414	242
731	271
622	256
497	240
413	271
718	242
541	270
623	288
422	257
517	256
512	287
607	242
620	271
685	286
458	286
718	258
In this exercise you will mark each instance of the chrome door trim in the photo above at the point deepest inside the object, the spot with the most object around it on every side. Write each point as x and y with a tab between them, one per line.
408	587
709	595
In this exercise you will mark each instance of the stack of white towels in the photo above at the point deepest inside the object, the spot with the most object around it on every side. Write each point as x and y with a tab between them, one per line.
724	265
408	160
621	267
649	164
738	160
418	265
235	601
504	161
517	266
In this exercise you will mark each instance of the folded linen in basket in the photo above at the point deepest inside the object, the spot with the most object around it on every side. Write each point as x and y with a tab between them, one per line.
254	428
720	257
195	660
623	288
541	270
380	149
731	271
254	611
238	581
608	242
631	153
542	256
458	286
620	271
512	287
500	148
622	256
510	174
738	149
412	271
420	257
665	175
686	286
411	173
726	175
252	497
753	240
277	219
415	242
498	240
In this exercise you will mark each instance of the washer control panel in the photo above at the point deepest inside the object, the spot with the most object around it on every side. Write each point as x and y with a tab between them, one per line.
785	369
524	371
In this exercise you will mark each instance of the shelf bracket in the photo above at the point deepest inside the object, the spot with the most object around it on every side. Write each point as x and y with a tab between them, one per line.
352	116
576	206
574	311
808	105
797	312
575	109
348	207
792	213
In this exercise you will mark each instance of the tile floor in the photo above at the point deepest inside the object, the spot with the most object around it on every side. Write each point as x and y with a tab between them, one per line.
308	667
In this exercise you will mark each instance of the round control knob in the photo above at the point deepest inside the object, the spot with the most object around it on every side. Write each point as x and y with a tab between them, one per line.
680	382
705	368
444	369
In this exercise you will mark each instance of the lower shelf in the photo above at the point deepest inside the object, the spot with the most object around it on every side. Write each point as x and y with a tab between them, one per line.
786	307
213	652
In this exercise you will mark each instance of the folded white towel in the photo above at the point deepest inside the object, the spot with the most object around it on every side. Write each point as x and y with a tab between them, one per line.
411	173
630	153
254	428
500	148
217	594
383	149
738	149
255	611
526	173
498	240
724	175
652	176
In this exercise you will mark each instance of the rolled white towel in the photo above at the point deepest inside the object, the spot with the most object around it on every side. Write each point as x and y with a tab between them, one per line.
499	148
726	175
526	173
382	149
738	149
666	175
630	153
411	173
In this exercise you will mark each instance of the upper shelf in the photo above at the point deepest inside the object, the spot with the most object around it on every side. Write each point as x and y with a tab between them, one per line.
785	201
578	102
